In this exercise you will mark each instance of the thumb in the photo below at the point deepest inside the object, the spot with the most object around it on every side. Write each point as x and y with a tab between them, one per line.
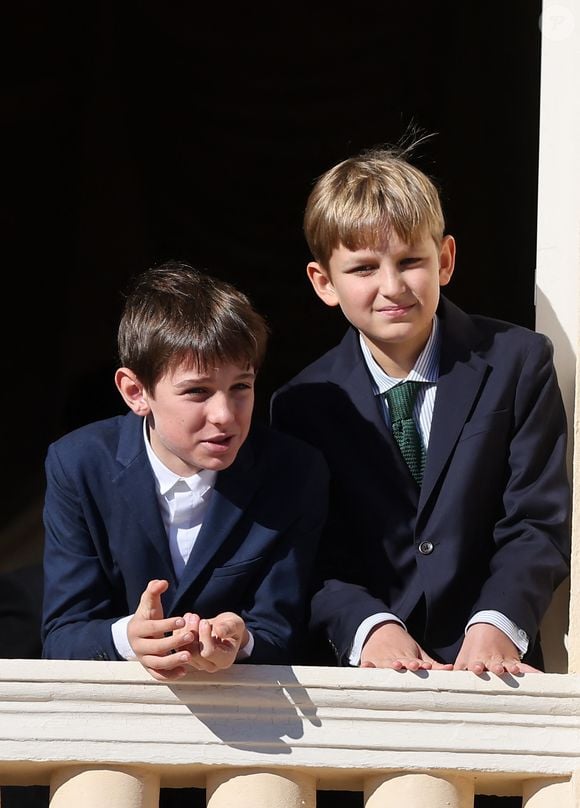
226	625
150	607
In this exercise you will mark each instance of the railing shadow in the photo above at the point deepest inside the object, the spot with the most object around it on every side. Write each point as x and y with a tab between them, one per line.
284	705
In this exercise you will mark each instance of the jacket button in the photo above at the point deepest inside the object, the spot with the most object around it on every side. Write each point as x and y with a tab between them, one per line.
426	547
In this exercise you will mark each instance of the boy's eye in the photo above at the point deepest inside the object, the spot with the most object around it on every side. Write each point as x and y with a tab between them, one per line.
364	269
242	386
406	262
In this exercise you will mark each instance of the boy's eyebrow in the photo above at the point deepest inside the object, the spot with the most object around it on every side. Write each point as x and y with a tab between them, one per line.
361	257
206	377
246	374
362	252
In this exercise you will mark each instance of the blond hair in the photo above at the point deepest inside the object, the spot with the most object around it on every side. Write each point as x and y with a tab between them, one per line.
359	202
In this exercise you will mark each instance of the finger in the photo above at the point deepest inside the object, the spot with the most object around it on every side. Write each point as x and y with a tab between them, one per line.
525	668
389	664
207	643
227	626
166	664
400	664
153	591
161	646
147	629
465	663
150	607
417	664
206	665
177	642
513	666
496	665
192	621
478	667
183	639
168	676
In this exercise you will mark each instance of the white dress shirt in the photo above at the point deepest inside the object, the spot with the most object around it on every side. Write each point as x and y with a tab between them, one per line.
426	370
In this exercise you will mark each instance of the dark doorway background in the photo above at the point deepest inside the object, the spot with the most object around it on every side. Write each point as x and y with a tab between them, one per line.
138	132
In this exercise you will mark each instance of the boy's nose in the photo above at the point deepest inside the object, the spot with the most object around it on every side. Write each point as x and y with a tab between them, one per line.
219	410
391	281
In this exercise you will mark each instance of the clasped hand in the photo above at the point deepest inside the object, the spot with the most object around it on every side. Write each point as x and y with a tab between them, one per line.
168	646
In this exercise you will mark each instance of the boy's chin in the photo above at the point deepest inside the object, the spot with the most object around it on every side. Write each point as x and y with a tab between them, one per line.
217	463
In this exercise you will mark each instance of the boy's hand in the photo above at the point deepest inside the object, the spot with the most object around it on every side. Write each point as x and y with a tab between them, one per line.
487	648
390	646
216	642
164	657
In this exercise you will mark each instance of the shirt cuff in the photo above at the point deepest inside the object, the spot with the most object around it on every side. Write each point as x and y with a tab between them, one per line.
364	630
119	632
246	651
516	634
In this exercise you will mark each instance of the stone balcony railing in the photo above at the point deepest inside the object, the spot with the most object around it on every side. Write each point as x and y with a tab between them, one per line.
270	737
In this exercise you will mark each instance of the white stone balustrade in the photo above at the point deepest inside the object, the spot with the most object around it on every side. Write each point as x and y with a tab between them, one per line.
270	736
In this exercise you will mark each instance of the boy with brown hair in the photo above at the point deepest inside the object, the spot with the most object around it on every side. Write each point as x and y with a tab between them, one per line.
445	434
182	534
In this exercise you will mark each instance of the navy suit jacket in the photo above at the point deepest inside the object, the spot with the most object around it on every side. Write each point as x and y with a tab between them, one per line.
489	528
105	539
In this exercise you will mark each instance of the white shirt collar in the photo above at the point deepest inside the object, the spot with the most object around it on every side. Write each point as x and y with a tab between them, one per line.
426	367
199	483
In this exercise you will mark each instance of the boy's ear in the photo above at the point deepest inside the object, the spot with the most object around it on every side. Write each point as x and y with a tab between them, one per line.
320	280
132	391
446	260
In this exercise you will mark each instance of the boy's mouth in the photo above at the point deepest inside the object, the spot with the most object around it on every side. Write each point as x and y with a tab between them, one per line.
395	311
219	442
219	439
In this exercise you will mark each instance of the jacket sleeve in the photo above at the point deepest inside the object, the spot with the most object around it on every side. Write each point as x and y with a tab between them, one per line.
532	537
341	600
278	612
80	603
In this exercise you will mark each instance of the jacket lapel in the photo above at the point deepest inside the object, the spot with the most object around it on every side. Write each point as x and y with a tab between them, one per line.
234	488
137	485
462	373
350	373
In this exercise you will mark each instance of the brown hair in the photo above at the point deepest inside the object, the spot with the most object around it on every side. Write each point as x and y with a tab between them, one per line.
174	313
360	201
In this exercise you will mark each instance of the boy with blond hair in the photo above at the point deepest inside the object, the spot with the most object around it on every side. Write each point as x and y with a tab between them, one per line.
445	434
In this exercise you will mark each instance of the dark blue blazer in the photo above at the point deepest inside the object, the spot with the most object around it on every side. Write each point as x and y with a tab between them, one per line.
489	528
105	539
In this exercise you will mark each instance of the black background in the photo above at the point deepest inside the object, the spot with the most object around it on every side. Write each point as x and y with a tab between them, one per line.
138	132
